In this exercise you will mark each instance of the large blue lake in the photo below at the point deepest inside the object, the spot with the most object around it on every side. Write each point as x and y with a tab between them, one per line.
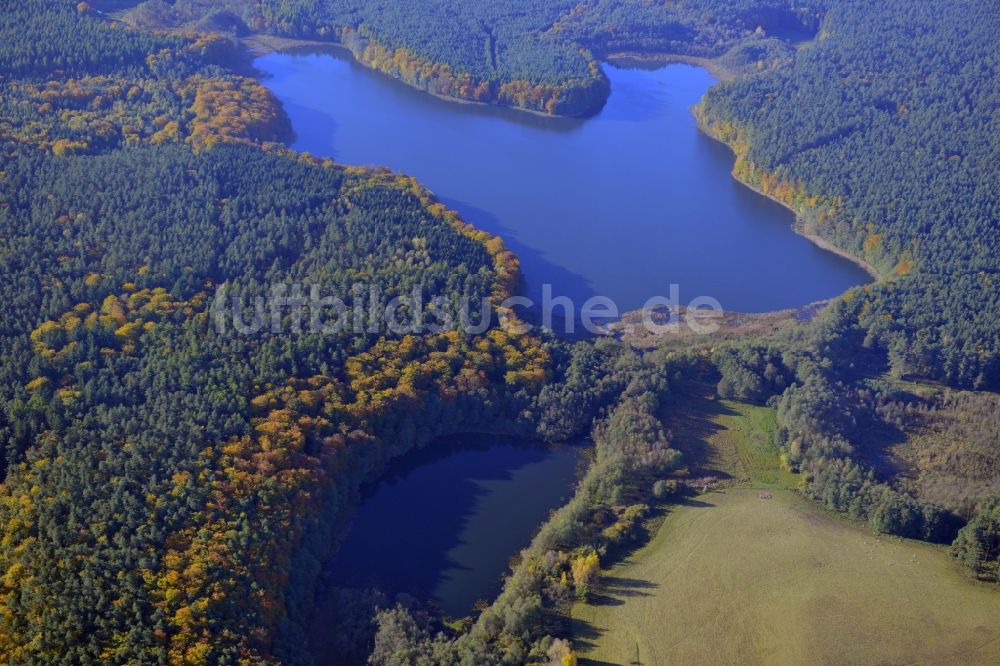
621	205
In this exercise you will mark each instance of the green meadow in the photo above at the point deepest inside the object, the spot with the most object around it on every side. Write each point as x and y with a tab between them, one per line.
753	573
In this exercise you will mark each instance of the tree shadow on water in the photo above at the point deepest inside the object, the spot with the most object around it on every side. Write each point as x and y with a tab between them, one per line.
313	130
404	533
539	268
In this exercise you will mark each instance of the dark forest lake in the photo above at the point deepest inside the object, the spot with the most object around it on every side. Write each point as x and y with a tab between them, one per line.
444	521
621	205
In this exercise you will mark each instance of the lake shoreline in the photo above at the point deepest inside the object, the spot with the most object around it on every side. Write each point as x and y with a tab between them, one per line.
729	325
799	226
735	213
724	75
637	58
261	44
452	458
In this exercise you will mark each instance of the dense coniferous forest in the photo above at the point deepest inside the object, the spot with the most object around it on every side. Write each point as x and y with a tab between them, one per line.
883	134
530	55
171	491
161	475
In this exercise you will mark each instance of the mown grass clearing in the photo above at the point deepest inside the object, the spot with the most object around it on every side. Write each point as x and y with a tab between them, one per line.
731	577
730	439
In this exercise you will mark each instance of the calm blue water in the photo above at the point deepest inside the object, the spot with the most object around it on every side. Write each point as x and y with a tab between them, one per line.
443	523
621	205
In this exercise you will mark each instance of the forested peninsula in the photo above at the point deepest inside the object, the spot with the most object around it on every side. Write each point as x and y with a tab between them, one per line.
170	492
541	57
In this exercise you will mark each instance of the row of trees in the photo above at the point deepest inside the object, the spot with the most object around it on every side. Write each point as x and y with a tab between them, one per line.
978	544
633	460
850	427
827	389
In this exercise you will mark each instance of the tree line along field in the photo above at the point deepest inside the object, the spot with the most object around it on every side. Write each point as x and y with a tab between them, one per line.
735	578
753	573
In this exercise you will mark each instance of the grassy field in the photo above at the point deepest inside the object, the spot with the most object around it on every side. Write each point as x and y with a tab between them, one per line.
756	574
730	440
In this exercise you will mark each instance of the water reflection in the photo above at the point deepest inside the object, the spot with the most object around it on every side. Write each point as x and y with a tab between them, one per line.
622	204
442	523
